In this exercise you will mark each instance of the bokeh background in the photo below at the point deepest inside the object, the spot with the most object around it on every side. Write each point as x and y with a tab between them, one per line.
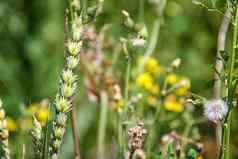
32	55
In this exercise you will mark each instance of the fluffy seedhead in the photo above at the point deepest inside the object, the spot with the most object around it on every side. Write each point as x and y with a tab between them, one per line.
215	110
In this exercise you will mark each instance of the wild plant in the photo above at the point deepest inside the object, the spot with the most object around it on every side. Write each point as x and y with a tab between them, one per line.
219	110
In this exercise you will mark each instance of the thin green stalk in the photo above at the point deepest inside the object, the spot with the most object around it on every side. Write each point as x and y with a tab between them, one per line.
127	78
141	10
46	132
227	122
120	136
186	132
123	116
102	125
151	128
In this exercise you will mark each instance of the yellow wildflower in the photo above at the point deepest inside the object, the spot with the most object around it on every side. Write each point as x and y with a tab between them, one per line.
152	66
181	91
152	100
31	109
185	86
40	110
200	157
119	103
11	124
172	79
172	104
155	89
42	114
145	80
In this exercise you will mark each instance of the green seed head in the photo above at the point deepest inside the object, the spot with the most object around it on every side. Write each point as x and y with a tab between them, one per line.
61	119
72	62
59	132
74	47
68	76
56	144
62	104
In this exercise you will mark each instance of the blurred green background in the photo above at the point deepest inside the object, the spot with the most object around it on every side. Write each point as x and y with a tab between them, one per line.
32	51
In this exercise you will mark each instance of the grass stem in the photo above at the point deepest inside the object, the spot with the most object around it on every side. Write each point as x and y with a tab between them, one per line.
227	122
102	125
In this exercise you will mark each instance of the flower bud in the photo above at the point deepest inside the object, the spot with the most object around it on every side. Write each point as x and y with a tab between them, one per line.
176	63
143	32
76	4
128	22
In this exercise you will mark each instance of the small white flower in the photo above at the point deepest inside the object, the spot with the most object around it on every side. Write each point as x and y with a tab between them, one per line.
138	42
215	110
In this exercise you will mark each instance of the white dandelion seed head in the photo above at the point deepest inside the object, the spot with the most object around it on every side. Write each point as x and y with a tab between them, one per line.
215	110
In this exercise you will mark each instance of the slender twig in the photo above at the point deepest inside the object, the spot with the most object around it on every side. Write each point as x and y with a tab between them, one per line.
221	41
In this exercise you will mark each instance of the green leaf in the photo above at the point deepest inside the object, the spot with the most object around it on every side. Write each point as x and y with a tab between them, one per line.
192	154
170	151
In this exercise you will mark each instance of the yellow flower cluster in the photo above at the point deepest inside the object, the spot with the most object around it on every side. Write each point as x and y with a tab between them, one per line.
180	85
146	80
183	83
152	66
175	101
171	103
